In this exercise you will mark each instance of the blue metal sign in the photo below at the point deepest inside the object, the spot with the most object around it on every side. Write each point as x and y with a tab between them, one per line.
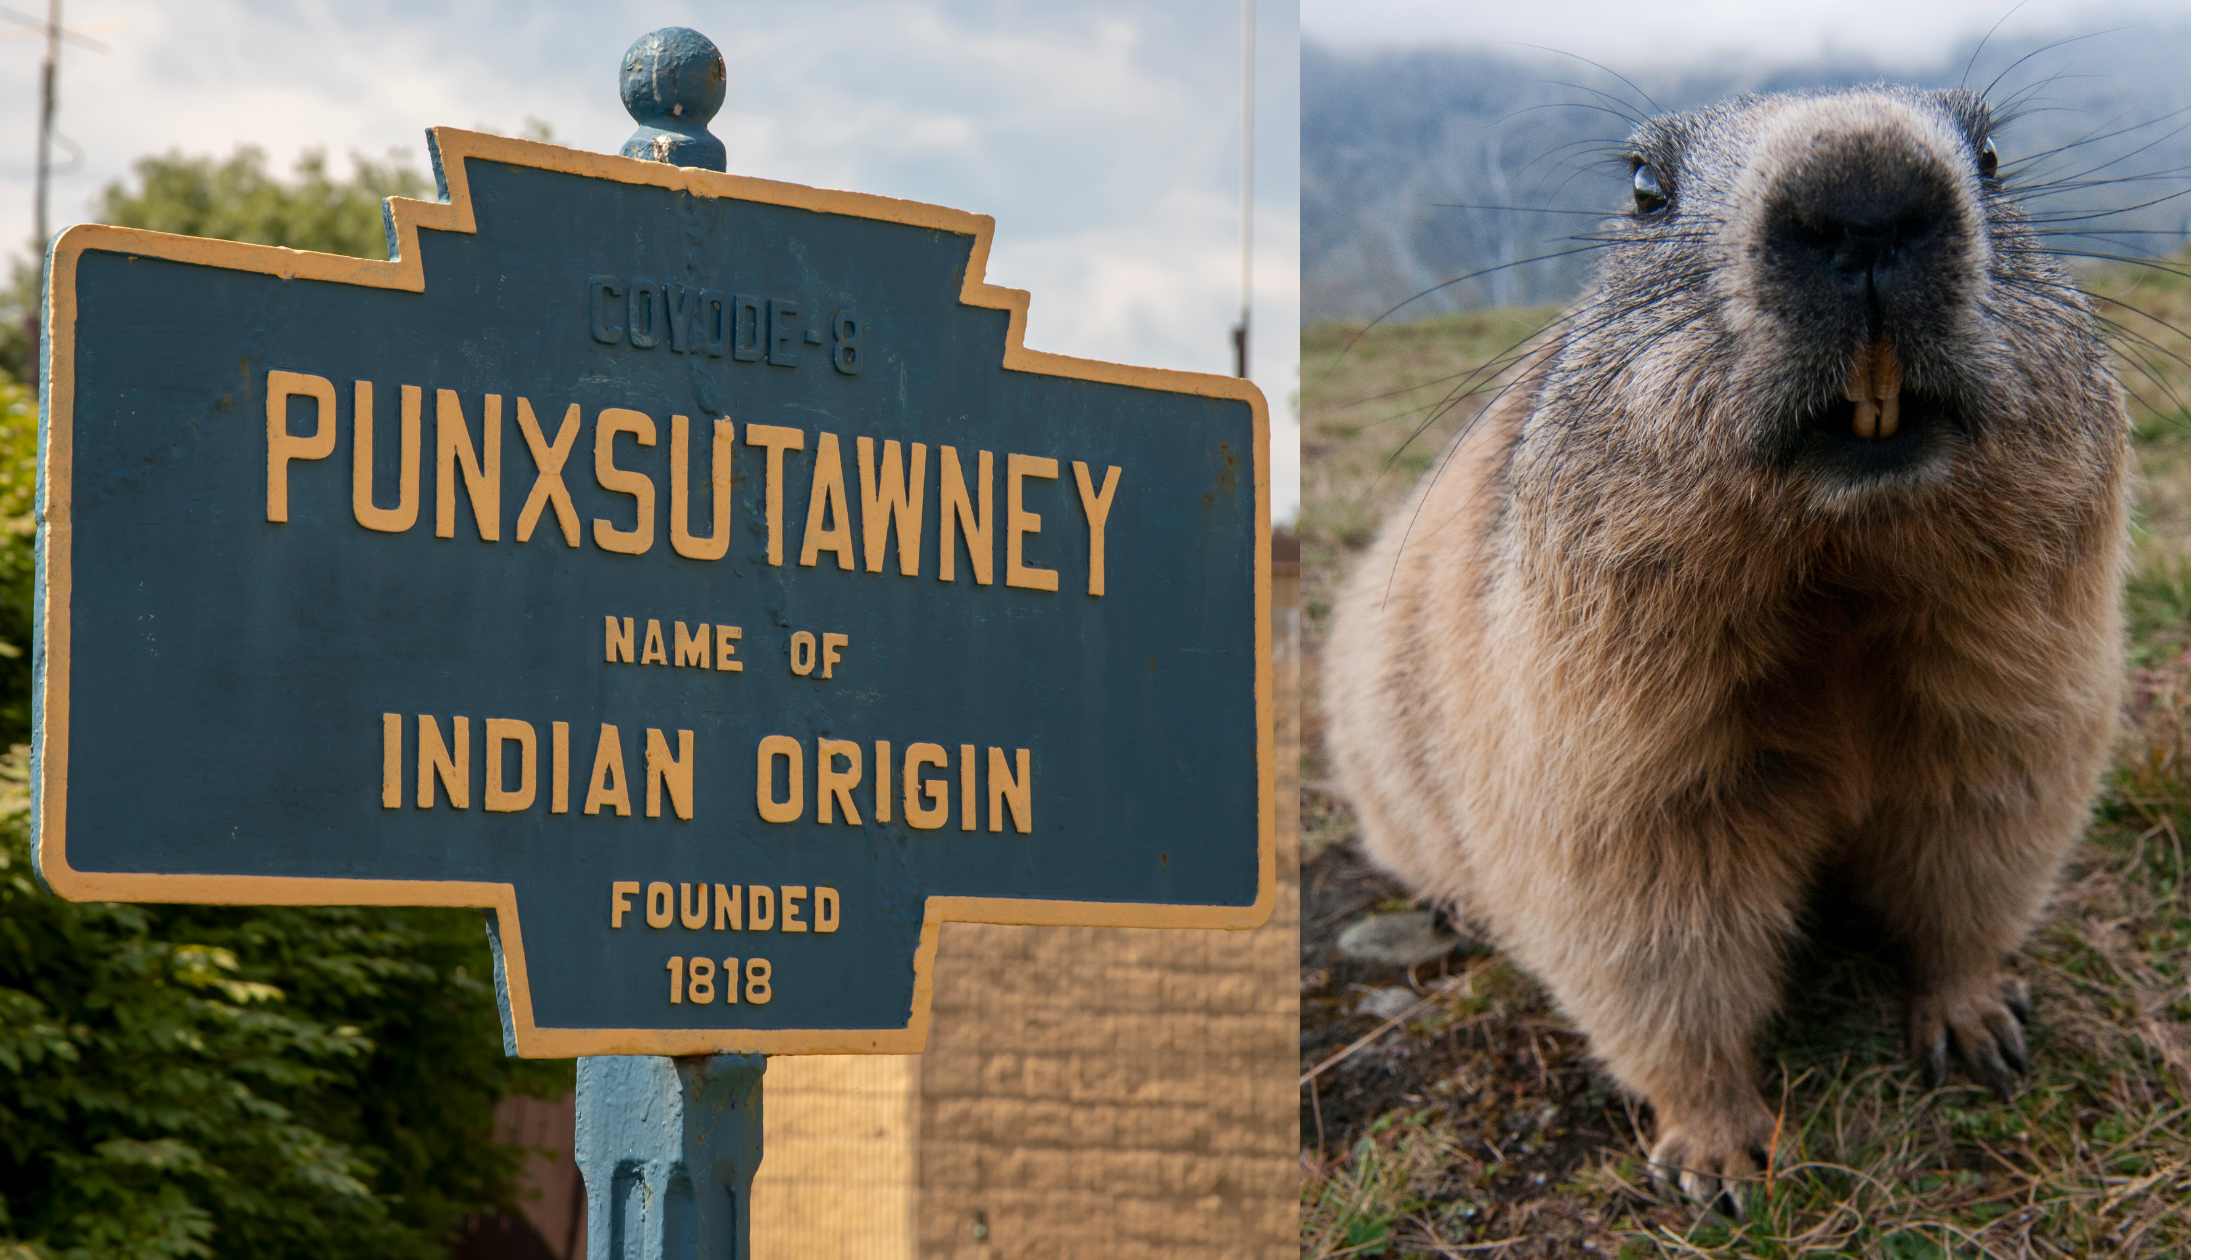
695	571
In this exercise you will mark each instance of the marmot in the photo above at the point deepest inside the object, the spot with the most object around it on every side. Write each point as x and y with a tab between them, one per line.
1795	554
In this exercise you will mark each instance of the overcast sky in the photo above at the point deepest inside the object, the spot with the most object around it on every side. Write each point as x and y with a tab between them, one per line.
1103	137
1895	32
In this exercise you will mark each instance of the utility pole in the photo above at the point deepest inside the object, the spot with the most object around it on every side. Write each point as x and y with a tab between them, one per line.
46	121
55	32
53	29
1243	332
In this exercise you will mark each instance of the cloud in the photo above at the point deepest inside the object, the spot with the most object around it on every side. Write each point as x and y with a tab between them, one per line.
1102	137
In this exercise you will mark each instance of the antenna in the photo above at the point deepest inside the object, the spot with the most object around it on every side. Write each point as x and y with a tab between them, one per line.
55	33
1243	333
46	122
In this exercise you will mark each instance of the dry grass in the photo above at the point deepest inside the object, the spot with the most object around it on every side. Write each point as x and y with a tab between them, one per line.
1481	1129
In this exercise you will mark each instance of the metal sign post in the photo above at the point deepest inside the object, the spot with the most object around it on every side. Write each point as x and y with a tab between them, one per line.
668	1149
695	572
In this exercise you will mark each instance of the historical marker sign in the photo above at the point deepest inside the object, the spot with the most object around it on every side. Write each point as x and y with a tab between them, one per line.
696	571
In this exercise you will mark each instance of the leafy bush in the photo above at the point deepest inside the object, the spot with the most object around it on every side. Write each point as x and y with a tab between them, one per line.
189	1081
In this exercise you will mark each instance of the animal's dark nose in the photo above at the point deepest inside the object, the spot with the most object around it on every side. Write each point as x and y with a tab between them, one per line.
1853	248
1869	223
1878	244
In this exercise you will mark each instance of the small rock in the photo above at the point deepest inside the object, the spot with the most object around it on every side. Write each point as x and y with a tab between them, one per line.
1386	1003
1396	940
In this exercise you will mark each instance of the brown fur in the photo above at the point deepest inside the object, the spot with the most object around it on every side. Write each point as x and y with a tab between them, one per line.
1618	685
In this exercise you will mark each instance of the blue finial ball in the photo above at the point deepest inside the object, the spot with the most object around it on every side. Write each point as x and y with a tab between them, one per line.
672	84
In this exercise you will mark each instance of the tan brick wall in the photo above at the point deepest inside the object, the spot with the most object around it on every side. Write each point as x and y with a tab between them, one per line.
1106	1092
838	1178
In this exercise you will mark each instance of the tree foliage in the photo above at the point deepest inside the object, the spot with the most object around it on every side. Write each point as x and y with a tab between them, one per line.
233	199
236	200
191	1081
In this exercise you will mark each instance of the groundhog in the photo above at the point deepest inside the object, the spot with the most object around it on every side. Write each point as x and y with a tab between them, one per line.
1793	556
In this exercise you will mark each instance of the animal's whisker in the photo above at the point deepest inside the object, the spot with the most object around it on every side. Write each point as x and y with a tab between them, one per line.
2059	43
1637	117
2084	217
1985	42
1633	117
1446	284
1574	321
2074	180
2099	136
1457	205
2123	258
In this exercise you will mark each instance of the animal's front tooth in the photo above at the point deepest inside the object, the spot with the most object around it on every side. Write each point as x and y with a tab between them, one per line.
1863	419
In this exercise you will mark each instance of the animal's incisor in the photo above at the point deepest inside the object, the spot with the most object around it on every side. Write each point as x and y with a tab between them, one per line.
1796	554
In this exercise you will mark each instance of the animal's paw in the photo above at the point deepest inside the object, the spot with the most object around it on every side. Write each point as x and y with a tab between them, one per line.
1715	1160
1979	1022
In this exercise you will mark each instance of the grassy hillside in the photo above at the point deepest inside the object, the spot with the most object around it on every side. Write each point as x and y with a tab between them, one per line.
1477	1126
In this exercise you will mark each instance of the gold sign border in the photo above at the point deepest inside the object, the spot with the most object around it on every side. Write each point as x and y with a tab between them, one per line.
453	147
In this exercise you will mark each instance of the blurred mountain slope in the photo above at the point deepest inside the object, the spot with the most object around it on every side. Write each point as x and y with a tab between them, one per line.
1391	141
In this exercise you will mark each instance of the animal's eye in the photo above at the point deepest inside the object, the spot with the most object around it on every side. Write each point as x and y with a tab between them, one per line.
1648	190
1987	158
